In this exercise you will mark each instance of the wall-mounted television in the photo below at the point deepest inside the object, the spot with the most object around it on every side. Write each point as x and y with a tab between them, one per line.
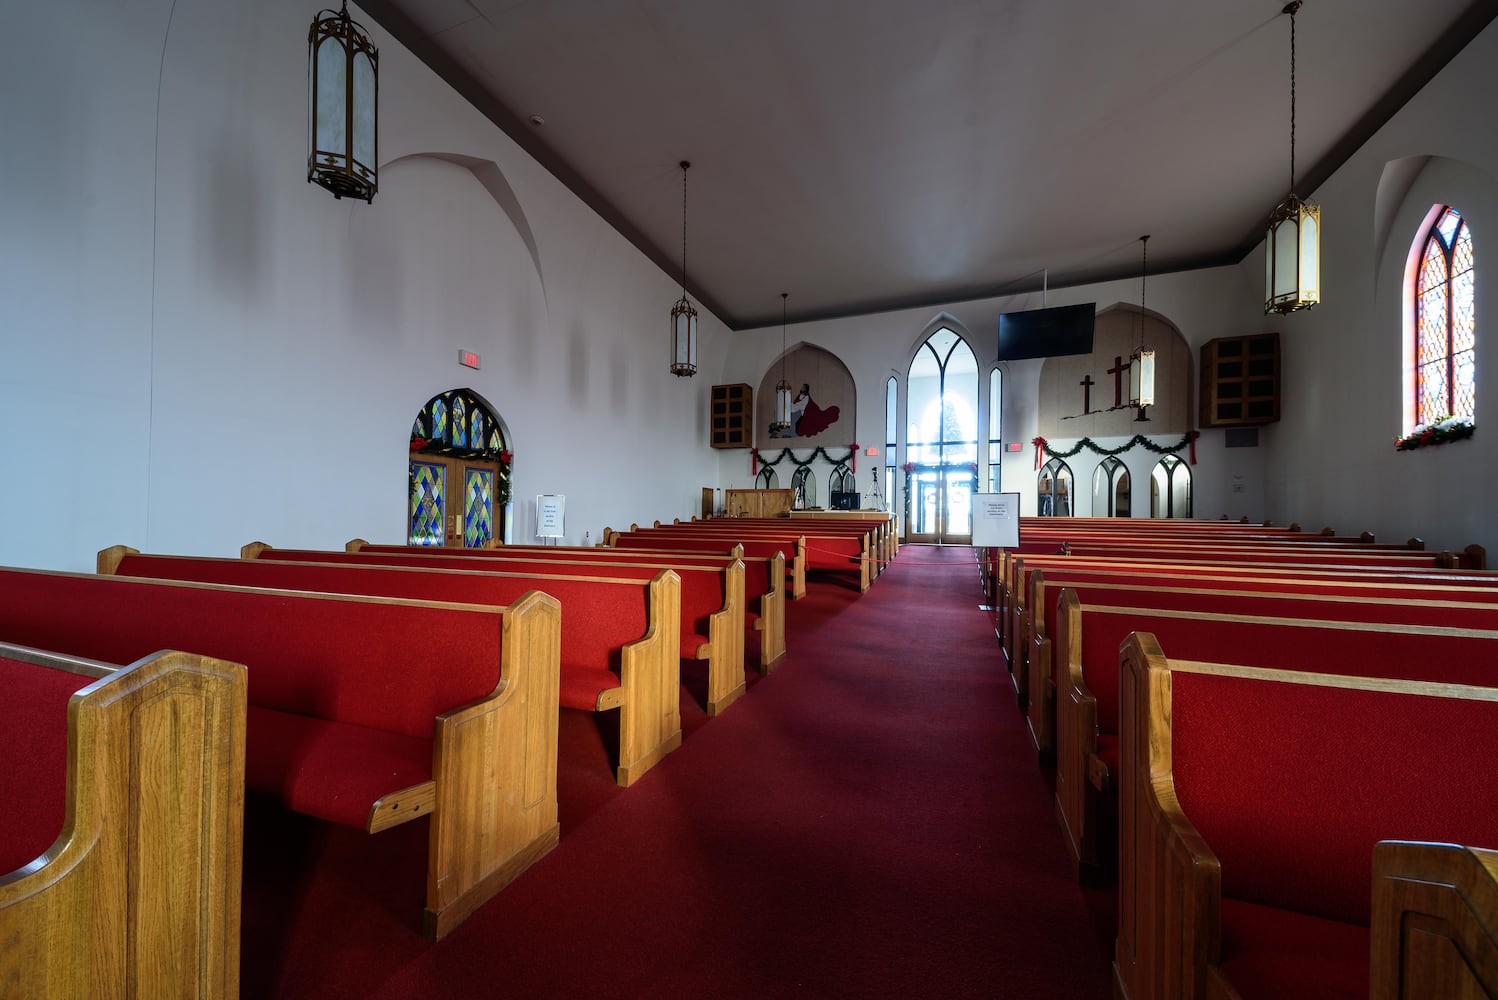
1046	333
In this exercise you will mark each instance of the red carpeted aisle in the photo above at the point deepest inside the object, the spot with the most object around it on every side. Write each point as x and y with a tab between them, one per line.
867	821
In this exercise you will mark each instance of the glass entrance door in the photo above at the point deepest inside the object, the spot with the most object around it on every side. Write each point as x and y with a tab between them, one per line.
941	507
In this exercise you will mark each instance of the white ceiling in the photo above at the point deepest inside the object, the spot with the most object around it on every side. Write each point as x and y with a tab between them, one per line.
871	154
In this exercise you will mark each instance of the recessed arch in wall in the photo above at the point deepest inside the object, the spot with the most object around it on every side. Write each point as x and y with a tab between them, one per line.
824	400
1087	395
458	467
1054	490
1170	488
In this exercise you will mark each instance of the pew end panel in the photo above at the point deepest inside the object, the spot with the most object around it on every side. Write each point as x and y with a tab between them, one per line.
650	677
1076	738
771	621
495	767
141	890
725	655
251	550
1435	921
107	562
1170	882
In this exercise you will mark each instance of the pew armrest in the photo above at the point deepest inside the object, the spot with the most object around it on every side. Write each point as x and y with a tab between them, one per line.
1076	736
1435	921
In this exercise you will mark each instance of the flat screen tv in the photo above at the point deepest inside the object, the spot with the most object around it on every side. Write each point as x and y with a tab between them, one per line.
1046	333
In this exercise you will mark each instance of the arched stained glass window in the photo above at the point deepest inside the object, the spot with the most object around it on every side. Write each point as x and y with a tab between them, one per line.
1445	322
455	423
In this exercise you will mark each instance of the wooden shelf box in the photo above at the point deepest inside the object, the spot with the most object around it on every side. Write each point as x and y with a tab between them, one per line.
732	417
1240	381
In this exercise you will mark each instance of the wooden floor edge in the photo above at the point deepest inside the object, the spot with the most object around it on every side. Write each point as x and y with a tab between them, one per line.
436	924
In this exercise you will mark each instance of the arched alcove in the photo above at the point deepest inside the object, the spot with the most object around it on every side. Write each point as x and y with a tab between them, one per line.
1054	490
1170	488
824	400
458	465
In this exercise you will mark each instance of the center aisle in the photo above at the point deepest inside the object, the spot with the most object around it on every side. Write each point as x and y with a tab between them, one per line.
869	821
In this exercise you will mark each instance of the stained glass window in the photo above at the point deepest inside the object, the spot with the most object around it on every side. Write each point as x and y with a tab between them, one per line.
460	424
426	503
439	419
1445	323
478	508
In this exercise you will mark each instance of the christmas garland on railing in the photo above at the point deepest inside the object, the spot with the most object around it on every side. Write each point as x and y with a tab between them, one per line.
1187	441
755	461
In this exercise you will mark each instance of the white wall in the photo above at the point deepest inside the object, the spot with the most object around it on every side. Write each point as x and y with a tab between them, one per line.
1332	450
198	348
1330	459
1226	481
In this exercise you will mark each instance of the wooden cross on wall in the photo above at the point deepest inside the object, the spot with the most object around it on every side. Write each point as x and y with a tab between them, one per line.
1087	384
1117	371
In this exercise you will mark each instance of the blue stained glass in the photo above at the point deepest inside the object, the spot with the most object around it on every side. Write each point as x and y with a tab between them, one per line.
460	424
426	504
477	434
1447	226
439	420
478	508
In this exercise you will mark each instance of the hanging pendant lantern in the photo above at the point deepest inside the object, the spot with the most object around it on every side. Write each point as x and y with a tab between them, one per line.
1292	247
342	96
683	316
783	388
1142	360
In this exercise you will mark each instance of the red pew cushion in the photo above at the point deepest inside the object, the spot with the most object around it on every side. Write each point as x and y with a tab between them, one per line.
1273	953
33	758
332	770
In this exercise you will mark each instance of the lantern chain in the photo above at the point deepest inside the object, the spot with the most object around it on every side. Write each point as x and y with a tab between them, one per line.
1291	8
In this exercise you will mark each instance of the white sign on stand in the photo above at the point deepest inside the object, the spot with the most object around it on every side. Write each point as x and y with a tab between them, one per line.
996	520
551	510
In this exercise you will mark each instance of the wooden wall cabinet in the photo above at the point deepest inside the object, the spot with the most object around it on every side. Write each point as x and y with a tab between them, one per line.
1240	381
758	503
731	423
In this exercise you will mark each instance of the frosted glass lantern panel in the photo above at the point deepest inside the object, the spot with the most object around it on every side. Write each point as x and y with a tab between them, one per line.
364	111
332	99
1310	257
1284	258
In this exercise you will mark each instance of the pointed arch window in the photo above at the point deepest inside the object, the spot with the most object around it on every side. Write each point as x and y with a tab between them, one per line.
1054	488
1445	322
767	479
1111	488
805	486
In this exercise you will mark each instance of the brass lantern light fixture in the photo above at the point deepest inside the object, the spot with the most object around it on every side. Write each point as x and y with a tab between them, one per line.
683	316
1142	361
1292	248
783	388
343	90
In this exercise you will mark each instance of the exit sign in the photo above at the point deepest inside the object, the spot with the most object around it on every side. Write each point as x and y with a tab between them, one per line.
1013	446
468	359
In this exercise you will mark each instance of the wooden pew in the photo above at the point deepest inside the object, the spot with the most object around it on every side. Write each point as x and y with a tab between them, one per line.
764	577
1435	908
1252	803
363	711
121	844
794	553
1087	704
618	647
826	549
1410	603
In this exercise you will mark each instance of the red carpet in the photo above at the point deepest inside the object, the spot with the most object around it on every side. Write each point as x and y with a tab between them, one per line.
867	821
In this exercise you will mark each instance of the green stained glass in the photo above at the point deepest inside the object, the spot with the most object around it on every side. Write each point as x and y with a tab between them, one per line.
478	508
460	424
426	504
439	420
494	443
476	433
417	430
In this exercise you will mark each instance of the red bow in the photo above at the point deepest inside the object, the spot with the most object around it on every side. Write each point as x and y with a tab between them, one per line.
1194	435
754	462
1039	444
853	458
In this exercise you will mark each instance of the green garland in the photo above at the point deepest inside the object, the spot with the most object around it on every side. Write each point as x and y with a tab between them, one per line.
799	463
1137	439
